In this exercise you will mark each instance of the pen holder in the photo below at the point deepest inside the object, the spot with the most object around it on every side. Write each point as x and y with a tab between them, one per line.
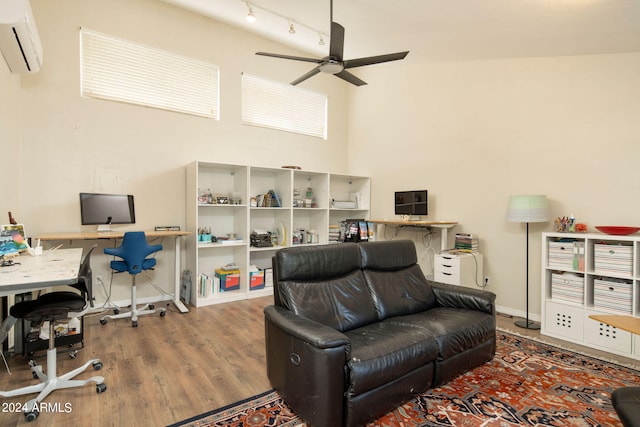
37	251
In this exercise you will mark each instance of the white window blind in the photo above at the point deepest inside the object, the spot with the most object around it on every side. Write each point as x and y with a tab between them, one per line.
120	70
283	107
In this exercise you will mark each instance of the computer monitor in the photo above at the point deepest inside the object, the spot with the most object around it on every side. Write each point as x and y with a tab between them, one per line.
106	209
411	203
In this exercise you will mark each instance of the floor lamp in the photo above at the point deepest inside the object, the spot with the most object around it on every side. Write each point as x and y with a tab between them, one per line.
528	209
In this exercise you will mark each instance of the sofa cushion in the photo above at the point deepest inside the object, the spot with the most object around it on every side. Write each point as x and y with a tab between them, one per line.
325	284
382	352
455	330
397	284
388	255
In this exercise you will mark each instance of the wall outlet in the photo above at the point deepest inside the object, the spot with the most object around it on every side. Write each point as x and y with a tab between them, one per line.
486	280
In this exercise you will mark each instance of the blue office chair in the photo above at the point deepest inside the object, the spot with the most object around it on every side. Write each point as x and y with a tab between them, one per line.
52	307
133	254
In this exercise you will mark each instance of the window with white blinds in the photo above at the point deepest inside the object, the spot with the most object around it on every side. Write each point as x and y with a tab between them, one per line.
283	107
120	70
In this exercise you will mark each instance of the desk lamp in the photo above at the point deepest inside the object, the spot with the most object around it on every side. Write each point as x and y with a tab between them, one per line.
528	209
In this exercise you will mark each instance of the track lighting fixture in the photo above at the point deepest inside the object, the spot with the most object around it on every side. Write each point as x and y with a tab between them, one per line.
269	14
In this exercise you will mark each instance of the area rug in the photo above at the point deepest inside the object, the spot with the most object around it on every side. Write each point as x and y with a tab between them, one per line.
527	383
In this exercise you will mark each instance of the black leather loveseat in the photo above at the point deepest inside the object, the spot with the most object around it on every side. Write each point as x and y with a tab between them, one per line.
356	329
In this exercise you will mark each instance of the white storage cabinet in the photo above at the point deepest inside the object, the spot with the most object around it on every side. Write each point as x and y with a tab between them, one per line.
585	274
464	269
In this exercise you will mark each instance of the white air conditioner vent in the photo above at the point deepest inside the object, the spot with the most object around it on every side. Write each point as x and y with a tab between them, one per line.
19	40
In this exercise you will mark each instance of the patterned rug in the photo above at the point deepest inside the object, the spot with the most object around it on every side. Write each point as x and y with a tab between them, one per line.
528	383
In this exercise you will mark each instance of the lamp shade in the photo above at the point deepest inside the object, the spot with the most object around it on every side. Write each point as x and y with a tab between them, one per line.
532	208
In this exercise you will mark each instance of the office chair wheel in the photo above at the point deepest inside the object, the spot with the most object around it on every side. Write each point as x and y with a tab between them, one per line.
163	313
103	321
73	354
151	306
31	416
101	388
134	324
116	311
97	366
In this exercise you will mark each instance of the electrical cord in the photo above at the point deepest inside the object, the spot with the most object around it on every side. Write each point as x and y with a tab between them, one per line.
475	260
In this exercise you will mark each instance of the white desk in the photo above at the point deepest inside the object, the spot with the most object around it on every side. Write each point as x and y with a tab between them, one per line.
444	227
30	273
97	235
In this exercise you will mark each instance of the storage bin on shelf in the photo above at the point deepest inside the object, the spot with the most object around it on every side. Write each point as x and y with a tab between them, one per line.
613	259
561	254
613	294
567	287
229	279
256	278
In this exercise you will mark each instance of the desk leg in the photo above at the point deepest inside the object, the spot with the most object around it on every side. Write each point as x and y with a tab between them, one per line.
6	326
176	296
444	239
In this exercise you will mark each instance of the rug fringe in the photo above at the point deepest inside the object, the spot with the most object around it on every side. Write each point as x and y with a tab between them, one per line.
568	348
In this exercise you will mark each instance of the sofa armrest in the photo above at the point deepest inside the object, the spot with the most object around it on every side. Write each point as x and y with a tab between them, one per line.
314	333
306	364
461	297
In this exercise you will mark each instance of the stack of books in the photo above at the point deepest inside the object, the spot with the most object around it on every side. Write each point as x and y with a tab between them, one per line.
334	232
467	242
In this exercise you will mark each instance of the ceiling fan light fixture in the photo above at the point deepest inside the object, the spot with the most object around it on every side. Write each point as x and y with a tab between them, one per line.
331	67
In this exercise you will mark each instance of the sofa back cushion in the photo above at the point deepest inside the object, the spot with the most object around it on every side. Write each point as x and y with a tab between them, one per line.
397	284
324	284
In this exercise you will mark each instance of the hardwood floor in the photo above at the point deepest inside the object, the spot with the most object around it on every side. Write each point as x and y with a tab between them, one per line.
168	369
164	371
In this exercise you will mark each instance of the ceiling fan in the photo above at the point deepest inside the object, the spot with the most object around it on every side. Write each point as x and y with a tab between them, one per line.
334	63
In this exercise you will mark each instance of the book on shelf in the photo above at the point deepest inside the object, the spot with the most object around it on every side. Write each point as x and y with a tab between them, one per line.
207	285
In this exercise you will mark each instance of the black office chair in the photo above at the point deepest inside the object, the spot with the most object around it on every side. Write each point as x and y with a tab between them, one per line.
133	253
626	402
51	307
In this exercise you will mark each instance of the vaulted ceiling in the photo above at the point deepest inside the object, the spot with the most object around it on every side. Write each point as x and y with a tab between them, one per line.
440	30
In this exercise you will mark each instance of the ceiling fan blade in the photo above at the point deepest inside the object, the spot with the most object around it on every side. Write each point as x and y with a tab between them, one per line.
336	46
345	75
359	62
295	58
306	76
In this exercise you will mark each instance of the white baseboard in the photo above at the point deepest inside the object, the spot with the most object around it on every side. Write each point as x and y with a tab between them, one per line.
518	313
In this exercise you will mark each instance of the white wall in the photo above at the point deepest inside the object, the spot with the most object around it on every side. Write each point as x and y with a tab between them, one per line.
10	136
474	133
66	138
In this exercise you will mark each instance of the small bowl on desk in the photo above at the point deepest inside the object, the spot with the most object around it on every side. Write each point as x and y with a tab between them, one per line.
616	230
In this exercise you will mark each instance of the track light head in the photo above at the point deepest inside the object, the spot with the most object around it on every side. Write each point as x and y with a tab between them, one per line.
250	16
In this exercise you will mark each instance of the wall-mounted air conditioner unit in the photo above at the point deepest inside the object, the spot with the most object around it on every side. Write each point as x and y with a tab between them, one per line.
19	40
